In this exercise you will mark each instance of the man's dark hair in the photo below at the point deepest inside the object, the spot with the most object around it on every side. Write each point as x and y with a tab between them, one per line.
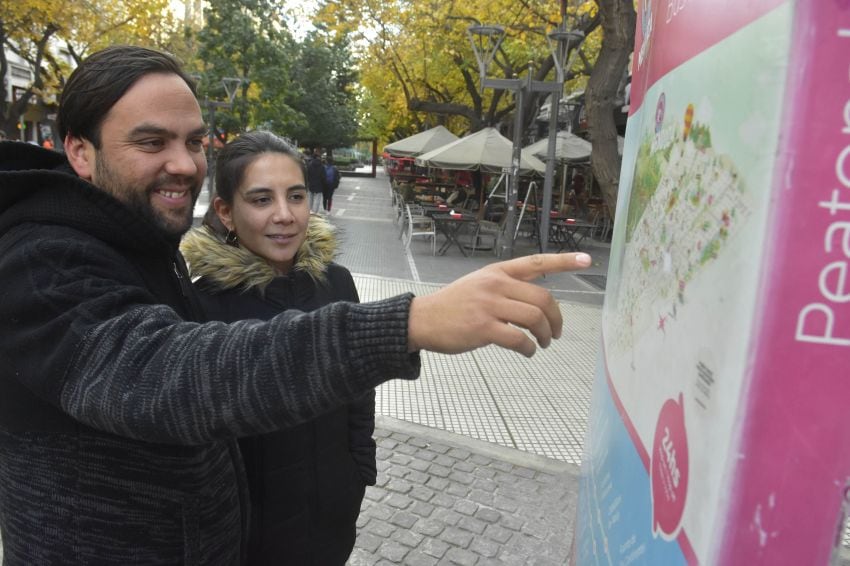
101	80
234	159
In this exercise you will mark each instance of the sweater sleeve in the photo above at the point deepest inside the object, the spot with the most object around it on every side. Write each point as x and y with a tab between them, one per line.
82	332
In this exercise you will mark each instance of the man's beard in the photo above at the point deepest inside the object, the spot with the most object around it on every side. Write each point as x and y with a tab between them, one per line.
138	198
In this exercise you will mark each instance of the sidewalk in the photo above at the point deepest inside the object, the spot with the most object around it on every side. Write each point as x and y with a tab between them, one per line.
478	458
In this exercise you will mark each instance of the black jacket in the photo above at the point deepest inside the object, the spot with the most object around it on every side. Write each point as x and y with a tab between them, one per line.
117	410
316	179
306	483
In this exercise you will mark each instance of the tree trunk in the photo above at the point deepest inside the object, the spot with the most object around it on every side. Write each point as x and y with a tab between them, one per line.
618	26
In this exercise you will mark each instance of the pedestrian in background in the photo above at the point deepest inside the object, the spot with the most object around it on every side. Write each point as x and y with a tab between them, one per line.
331	183
316	182
259	253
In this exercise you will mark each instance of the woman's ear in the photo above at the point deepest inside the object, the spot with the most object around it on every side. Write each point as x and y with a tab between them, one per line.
81	155
223	210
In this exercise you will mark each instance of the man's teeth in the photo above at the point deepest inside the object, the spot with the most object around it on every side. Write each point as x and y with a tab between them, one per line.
171	194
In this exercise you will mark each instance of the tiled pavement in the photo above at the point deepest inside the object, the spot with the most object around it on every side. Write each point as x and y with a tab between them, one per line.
478	457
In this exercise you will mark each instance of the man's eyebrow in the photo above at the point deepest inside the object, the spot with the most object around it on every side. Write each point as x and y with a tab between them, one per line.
154	130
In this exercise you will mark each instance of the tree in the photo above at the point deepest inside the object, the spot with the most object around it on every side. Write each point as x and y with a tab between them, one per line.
418	63
248	39
618	25
32	29
327	96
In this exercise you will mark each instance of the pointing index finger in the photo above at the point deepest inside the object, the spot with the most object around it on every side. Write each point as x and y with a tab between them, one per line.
531	267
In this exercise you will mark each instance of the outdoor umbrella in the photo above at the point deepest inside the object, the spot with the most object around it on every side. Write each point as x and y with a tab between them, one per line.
568	147
420	143
486	150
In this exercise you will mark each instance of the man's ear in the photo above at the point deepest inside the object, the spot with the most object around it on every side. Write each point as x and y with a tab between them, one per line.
81	156
222	209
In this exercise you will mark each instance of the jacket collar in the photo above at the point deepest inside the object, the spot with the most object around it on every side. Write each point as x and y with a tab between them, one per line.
223	266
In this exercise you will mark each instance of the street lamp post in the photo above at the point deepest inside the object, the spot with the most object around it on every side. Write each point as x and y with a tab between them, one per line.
485	40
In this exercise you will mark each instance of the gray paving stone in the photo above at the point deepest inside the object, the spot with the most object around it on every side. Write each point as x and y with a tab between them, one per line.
399	486
400	459
361	557
509	505
429	527
463	466
444	460
439	471
379	512
393	551
374	493
397	472
404	519
484	547
447	516
439	448
456	537
462	557
465	507
472	524
481	497
457	490
488	515
485	484
444	500
422	509
369	541
421	493
434	547
479	460
398	501
419	465
407	538
461	477
415	476
459	453
417	558
400	437
438	484
381	529
498	533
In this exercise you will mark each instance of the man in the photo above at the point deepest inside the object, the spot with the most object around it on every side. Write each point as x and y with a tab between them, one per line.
331	184
316	182
119	409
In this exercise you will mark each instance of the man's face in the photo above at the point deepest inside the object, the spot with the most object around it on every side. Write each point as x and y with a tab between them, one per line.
151	154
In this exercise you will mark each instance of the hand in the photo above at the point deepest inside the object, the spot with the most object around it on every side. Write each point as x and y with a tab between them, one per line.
489	306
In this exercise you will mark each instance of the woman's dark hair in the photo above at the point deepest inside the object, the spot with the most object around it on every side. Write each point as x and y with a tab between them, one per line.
101	80
234	159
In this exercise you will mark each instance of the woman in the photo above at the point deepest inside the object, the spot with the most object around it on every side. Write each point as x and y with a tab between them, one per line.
260	252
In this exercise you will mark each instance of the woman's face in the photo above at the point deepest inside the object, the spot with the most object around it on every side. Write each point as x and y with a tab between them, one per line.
270	210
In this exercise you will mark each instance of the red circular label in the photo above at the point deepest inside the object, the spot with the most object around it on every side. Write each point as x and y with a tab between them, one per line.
669	469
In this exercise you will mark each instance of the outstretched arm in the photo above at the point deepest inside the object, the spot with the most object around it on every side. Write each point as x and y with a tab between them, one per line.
491	306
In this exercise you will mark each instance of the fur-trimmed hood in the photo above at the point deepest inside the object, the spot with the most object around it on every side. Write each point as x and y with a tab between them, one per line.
229	267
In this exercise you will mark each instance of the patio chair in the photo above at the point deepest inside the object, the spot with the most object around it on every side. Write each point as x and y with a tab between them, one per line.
487	229
419	225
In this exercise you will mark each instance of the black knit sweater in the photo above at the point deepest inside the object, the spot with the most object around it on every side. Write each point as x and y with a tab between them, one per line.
117	409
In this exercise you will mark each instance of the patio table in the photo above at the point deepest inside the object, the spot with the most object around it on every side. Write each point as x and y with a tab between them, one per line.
569	234
450	226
